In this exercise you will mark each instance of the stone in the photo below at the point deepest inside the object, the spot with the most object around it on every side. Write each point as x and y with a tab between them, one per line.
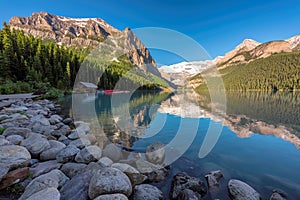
93	168
105	161
55	147
147	192
134	175
44	167
15	139
75	135
155	153
187	186
14	177
239	190
125	167
83	128
14	156
113	152
213	178
17	131
67	154
64	130
55	179
88	154
39	124
77	188
154	172
3	170
67	121
81	142
35	144
112	197
108	181
54	119
4	141
50	193
64	140
278	195
73	169
3	117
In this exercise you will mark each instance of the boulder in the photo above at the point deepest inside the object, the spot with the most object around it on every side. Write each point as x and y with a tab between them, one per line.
64	140
55	179
81	142
50	193
125	167
14	156
39	124
112	197
73	169
35	144
155	153
67	154
213	178
105	161
67	121
134	175
54	119
55	147
147	192
77	188
187	187
113	152
278	195
16	131
239	190
15	139
88	154
63	130
4	141
107	181
44	167
14	177
154	172
3	170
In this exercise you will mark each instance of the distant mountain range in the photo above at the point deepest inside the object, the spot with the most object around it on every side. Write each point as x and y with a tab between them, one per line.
246	52
86	32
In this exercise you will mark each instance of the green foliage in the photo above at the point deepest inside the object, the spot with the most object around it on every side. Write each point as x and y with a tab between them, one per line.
278	72
53	93
9	87
2	129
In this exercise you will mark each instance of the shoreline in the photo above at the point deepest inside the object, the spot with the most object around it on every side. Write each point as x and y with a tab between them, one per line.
37	144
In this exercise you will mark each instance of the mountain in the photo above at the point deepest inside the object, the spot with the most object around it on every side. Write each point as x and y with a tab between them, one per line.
85	32
178	73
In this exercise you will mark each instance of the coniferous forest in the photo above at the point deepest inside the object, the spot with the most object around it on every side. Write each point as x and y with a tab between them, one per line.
28	64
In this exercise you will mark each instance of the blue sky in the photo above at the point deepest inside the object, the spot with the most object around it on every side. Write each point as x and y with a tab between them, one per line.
217	25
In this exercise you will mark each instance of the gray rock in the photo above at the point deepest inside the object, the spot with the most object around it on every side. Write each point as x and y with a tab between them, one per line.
44	167
83	128
134	175
278	195
55	179
113	152
39	124
153	172
3	117
3	170
54	119
67	154
67	121
147	192
74	135
63	130
88	154
108	181
187	187
105	161
55	147
35	144
15	117
112	197
239	190
15	139
17	131
46	194
77	188
213	178
155	153
125	167
33	162
21	108
93	168
14	156
81	142
64	140
4	141
73	169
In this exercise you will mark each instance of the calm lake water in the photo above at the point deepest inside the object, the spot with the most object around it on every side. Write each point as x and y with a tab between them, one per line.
259	142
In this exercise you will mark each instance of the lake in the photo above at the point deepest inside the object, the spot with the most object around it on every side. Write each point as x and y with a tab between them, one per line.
258	141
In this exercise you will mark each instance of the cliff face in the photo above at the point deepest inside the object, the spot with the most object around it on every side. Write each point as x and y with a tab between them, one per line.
84	32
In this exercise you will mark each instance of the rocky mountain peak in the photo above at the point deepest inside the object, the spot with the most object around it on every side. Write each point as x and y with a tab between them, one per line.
294	41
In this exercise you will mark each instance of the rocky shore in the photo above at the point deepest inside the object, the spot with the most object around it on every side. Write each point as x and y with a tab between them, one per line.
45	156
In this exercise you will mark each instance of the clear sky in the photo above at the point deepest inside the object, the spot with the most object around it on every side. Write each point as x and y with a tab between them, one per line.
218	25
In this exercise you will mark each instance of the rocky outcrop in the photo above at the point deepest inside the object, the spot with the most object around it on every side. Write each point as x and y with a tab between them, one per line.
239	190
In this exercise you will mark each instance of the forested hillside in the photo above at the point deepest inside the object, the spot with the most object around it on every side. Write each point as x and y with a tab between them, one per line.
28	64
278	72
